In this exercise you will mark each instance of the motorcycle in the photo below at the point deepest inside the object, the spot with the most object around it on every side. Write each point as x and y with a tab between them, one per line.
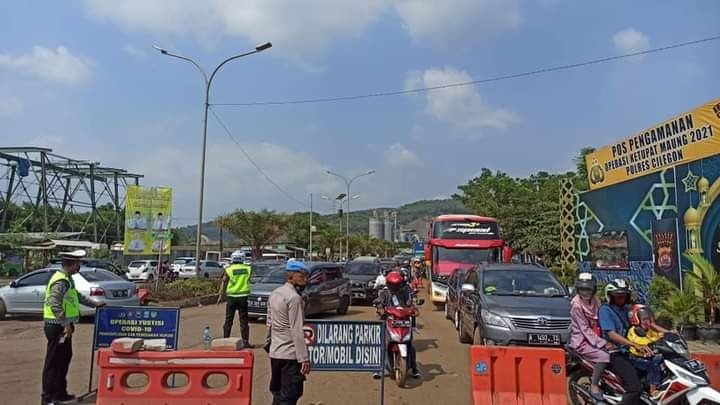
683	378
399	327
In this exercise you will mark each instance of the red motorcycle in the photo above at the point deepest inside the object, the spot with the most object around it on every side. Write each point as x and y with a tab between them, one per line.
399	323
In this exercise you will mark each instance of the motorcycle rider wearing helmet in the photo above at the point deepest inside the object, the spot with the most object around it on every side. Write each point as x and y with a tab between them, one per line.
398	294
644	331
585	333
614	324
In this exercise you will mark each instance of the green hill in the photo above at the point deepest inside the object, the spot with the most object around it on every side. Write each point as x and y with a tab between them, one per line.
410	216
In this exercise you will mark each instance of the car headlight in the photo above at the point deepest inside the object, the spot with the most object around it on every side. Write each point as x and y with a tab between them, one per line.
492	319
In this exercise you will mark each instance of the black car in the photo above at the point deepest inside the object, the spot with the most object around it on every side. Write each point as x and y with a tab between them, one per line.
362	276
327	290
455	282
94	263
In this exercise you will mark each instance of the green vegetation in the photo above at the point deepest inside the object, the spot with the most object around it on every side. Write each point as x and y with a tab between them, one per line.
187	288
704	282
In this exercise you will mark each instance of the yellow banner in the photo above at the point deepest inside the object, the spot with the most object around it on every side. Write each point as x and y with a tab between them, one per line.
681	139
147	220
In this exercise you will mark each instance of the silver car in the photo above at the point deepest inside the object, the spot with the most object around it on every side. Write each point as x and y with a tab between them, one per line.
208	269
26	294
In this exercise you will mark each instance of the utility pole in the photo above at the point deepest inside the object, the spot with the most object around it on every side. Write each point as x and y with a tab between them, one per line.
311	226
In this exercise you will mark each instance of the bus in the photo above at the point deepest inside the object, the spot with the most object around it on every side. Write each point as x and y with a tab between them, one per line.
461	242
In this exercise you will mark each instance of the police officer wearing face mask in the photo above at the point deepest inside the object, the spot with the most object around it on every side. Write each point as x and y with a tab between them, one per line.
289	359
61	311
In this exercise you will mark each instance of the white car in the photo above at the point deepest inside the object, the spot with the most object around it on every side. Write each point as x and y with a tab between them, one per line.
179	262
208	269
142	270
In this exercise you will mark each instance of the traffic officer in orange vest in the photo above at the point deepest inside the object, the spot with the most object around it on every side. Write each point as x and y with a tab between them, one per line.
61	310
237	280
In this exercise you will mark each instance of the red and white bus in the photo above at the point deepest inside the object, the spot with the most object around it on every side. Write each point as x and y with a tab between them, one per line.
461	241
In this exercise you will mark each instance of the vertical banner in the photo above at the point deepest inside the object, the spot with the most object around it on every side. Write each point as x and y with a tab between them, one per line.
147	220
665	249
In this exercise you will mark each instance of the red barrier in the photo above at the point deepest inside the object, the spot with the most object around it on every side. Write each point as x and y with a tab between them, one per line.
712	367
177	377
518	375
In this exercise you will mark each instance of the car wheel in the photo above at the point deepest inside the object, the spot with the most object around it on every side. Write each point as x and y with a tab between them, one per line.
478	337
456	320
206	275
344	306
447	313
2	310
462	336
150	277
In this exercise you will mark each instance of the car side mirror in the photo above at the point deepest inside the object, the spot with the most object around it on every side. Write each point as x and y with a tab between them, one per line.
420	301
571	290
13	284
467	288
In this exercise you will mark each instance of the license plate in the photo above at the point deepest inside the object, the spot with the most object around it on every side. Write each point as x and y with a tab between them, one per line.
543	339
358	295
120	293
695	366
257	304
402	324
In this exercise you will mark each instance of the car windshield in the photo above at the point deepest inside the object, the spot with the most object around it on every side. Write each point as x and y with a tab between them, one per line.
468	256
273	275
191	263
99	275
521	282
260	271
360	268
137	264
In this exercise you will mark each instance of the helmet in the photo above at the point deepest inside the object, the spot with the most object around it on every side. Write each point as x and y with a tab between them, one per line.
405	263
415	260
394	279
237	257
639	313
586	281
616	287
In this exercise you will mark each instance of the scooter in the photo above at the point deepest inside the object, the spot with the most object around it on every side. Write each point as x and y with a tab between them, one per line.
683	378
399	327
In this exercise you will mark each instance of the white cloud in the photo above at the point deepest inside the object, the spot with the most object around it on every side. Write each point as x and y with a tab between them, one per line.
10	106
398	156
134	51
231	181
296	28
441	21
630	40
56	65
459	106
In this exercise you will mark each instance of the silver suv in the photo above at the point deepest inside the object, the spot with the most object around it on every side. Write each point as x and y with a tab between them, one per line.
513	304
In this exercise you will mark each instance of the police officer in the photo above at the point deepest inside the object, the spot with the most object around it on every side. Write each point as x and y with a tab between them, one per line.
237	280
61	310
289	359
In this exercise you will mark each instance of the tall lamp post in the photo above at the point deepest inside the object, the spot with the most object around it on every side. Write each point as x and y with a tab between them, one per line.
208	84
347	214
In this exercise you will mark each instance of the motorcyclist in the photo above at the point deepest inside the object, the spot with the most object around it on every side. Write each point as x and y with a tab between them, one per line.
398	294
614	324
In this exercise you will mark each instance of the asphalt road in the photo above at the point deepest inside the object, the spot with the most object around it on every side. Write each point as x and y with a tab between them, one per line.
442	360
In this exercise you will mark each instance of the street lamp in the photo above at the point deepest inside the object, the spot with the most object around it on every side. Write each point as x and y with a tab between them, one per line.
208	84
347	214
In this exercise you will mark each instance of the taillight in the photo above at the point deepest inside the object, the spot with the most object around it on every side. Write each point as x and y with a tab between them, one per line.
97	292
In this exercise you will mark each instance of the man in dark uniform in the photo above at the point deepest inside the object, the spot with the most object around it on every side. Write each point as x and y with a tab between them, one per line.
61	310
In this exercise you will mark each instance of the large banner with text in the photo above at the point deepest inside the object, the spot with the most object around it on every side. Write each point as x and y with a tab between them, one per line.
147	220
684	138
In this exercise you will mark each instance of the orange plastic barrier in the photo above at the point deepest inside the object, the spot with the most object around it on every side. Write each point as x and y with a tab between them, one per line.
517	375
178	378
712	367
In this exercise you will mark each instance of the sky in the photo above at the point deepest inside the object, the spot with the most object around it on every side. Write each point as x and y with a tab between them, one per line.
81	77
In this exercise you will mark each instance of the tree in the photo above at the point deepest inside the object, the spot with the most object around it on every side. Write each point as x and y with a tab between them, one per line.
705	282
254	228
581	174
298	230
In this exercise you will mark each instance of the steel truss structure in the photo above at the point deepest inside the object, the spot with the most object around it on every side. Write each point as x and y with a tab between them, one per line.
53	187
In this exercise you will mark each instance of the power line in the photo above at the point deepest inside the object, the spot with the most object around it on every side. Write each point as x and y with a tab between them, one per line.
474	82
250	159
